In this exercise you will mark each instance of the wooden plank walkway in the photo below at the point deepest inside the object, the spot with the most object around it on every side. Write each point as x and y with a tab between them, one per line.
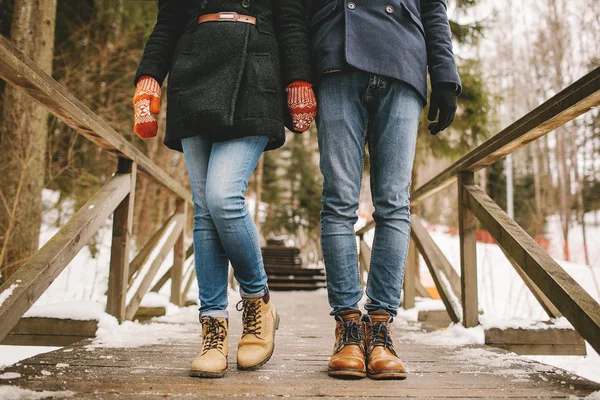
297	369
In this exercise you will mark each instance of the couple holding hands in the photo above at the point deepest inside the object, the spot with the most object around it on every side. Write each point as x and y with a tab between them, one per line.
239	70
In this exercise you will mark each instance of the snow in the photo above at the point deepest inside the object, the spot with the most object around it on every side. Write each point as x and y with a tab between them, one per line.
81	310
454	335
15	393
10	375
490	322
134	334
13	354
7	293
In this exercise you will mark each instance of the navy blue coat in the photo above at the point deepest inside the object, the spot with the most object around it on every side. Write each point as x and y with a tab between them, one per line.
395	38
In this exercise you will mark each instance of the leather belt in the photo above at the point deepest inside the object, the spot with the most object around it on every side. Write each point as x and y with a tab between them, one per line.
227	16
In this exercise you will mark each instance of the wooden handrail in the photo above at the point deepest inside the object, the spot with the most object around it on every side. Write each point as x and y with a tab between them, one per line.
31	280
582	311
35	276
567	105
21	72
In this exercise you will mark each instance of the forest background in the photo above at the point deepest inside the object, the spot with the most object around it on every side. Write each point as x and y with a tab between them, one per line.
512	55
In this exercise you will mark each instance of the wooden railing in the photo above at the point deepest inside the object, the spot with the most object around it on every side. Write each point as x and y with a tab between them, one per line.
116	197
556	291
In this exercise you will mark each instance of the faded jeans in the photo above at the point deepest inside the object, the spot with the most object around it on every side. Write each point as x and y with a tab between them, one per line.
223	228
357	107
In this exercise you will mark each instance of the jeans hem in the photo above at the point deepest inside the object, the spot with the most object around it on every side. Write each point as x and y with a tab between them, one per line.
257	295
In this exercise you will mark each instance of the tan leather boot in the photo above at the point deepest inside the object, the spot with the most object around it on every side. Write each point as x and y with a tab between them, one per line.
260	321
382	360
211	362
348	359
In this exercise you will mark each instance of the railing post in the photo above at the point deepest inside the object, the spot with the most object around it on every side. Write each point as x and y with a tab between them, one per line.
119	257
178	259
410	274
468	254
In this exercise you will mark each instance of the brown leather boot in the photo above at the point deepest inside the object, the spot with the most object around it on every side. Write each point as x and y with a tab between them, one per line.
382	360
348	358
212	360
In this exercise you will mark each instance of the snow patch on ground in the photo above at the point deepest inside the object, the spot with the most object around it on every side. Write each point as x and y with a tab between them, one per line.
454	335
16	393
492	322
81	310
10	375
13	354
134	334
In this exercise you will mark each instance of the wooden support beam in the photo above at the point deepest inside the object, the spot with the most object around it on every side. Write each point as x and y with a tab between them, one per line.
420	289
434	258
38	331
551	341
34	277
410	274
582	311
468	254
144	254
156	263
188	284
565	106
21	72
119	256
178	258
167	275
546	304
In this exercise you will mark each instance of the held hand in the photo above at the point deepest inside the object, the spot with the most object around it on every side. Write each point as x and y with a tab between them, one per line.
443	99
146	103
302	104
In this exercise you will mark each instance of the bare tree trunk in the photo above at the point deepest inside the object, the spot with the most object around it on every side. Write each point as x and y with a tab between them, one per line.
23	140
539	213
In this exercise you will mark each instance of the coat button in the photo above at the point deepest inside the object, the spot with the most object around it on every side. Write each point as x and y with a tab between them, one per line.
351	6
389	9
203	4
246	3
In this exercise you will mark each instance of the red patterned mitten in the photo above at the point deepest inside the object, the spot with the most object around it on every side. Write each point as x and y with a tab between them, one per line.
146	103
302	104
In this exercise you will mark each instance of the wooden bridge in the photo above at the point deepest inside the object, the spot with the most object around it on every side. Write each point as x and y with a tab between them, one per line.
305	340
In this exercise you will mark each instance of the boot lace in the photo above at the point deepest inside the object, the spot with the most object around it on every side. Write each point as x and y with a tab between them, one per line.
351	334
251	316
214	335
380	336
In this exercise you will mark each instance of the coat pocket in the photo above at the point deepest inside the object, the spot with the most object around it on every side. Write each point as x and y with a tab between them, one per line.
261	72
415	19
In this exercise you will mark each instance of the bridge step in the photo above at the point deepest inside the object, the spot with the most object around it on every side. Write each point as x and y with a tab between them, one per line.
552	341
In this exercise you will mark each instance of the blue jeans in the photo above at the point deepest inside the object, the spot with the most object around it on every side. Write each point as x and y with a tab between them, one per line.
223	228
354	108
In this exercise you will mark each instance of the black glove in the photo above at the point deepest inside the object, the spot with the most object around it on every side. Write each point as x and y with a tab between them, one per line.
443	99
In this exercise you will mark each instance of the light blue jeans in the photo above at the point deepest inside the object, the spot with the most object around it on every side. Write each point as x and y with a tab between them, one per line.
223	228
354	108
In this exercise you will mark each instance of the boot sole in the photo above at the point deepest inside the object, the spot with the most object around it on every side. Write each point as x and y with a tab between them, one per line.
346	374
203	374
266	360
388	375
194	373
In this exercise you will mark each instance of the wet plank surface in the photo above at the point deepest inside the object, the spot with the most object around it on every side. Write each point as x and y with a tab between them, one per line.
298	368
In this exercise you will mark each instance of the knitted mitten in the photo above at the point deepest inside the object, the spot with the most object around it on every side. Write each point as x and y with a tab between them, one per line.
146	103
302	104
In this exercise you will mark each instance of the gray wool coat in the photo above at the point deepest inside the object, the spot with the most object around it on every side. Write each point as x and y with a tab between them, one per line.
227	79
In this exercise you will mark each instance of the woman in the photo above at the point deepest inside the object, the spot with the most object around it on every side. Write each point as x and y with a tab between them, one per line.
228	61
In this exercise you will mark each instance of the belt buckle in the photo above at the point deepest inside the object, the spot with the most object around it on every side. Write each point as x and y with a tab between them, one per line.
228	16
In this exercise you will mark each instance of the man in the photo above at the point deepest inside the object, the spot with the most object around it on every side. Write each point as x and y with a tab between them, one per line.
371	57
